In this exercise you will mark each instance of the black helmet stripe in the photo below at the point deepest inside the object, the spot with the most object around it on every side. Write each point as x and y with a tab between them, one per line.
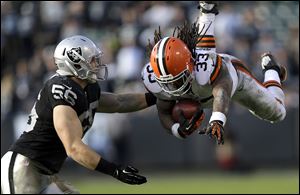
161	61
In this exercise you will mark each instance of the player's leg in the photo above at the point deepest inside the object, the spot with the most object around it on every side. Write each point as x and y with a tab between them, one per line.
274	74
5	184
264	100
206	21
59	186
18	175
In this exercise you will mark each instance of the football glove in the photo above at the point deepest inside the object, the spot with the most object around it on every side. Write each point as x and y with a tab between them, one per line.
215	129
188	126
128	174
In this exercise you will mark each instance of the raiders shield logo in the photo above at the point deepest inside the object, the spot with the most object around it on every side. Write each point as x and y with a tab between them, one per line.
72	55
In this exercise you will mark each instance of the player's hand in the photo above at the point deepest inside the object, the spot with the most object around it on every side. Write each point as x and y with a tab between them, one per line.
188	126
129	175
215	129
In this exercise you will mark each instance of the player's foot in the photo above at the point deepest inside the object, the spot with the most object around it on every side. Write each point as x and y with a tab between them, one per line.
268	62
208	7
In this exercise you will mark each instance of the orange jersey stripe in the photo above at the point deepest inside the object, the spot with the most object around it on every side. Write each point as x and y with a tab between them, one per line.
208	39
241	67
249	74
217	69
206	45
272	83
240	63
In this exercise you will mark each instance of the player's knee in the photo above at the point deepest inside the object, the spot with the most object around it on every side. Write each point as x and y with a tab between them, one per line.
278	116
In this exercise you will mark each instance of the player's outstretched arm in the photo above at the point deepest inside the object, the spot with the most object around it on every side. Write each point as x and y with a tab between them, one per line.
122	103
222	93
69	130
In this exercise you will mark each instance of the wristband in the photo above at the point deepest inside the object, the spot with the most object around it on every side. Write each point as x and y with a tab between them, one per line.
150	99
106	167
174	128
218	116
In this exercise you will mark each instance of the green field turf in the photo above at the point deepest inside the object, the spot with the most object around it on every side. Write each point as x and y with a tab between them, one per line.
198	183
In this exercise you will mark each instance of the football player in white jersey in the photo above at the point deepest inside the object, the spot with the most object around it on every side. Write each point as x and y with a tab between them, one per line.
187	66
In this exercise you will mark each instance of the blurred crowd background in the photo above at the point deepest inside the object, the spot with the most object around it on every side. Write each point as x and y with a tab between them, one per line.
30	31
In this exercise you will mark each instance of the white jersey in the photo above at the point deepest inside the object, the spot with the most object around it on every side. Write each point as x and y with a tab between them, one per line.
264	100
206	70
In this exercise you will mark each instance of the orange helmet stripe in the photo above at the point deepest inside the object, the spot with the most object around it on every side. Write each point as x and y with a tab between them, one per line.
161	61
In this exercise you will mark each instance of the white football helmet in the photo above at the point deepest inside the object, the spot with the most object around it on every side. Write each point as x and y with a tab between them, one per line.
80	57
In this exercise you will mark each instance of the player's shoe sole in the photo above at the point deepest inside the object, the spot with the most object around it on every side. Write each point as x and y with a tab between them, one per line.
208	7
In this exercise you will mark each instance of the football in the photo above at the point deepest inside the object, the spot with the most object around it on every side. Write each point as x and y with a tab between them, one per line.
188	107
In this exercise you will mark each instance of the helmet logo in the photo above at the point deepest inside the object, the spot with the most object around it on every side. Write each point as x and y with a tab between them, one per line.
73	56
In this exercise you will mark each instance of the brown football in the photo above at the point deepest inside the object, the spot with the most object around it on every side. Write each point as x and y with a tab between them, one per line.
188	107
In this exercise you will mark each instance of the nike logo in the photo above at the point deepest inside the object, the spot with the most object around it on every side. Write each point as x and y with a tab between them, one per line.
126	171
188	127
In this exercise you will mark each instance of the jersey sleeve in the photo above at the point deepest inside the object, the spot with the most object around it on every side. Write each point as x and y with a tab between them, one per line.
62	93
149	80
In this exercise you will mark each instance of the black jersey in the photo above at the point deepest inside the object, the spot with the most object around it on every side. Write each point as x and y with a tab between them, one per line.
40	141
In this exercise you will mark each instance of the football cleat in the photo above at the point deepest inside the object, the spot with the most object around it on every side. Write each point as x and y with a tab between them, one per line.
208	7
268	62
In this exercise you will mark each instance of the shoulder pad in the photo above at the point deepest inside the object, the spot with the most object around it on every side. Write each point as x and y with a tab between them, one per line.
61	89
149	79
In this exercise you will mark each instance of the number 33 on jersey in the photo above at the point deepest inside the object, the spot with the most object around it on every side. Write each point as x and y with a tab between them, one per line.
205	67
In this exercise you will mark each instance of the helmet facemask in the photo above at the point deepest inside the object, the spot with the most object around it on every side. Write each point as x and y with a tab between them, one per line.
178	85
98	71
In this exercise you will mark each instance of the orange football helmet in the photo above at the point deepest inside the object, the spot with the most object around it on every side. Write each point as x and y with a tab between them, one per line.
172	63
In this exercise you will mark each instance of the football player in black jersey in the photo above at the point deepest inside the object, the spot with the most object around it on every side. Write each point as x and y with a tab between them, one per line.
62	114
